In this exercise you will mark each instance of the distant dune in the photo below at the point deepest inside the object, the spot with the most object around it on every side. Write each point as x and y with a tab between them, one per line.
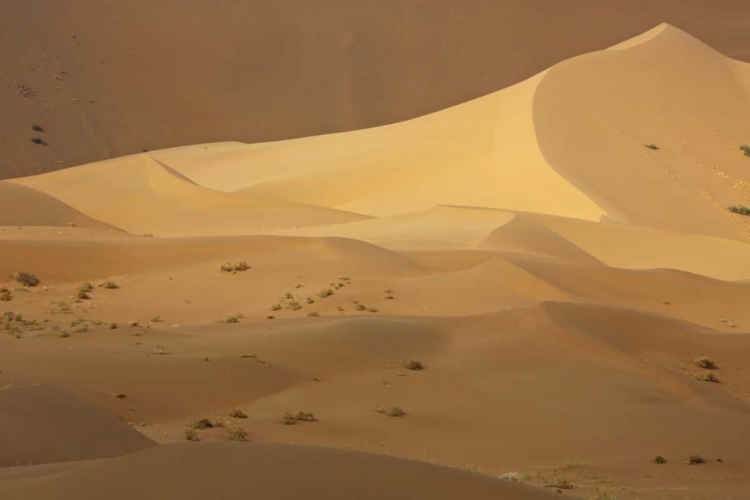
113	78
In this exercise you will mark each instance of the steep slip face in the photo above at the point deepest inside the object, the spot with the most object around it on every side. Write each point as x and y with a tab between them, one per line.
594	114
135	75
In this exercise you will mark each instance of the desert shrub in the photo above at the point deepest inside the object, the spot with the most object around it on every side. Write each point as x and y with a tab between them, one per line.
236	434
238	414
25	279
706	362
310	300
360	307
372	310
203	423
739	209
156	319
658	459
393	411
5	295
707	377
110	285
326	292
235	318
293	305
80	294
235	267
389	297
302	416
745	149
191	435
389	291
37	128
413	364
651	145
39	141
276	307
133	323
86	287
113	326
270	316
695	460
559	483
313	315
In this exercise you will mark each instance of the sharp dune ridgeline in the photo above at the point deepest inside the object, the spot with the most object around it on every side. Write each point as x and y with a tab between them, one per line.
529	291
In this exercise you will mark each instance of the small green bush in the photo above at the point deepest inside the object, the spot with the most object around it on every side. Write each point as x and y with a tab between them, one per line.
739	209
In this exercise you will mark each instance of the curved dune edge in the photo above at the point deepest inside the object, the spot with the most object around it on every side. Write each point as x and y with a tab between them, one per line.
594	113
482	153
25	206
142	195
254	470
41	424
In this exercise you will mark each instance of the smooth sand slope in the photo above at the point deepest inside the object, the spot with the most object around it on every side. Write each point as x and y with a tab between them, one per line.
41	424
258	471
557	280
111	79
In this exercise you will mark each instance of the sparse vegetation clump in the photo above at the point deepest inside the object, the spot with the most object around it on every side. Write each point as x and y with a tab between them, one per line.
5	295
202	424
37	128
739	209
707	377
658	459
651	145
302	416
413	364
81	294
236	434
235	267
235	318
26	279
310	300
393	411
156	319
39	141
325	293
86	287
313	314
360	307
559	483
706	362
745	149
192	435
695	460
238	414
109	285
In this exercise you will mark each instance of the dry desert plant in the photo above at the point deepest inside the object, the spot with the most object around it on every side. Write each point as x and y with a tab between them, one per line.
238	414
302	416
236	434
235	267
393	411
706	362
25	279
707	377
413	364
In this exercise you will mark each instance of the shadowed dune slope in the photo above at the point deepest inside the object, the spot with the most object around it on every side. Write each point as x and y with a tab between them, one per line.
141	195
226	470
137	76
594	113
41	424
24	206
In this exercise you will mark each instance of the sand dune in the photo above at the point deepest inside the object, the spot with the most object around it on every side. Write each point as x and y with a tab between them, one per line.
141	195
134	76
261	471
40	424
557	279
23	206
